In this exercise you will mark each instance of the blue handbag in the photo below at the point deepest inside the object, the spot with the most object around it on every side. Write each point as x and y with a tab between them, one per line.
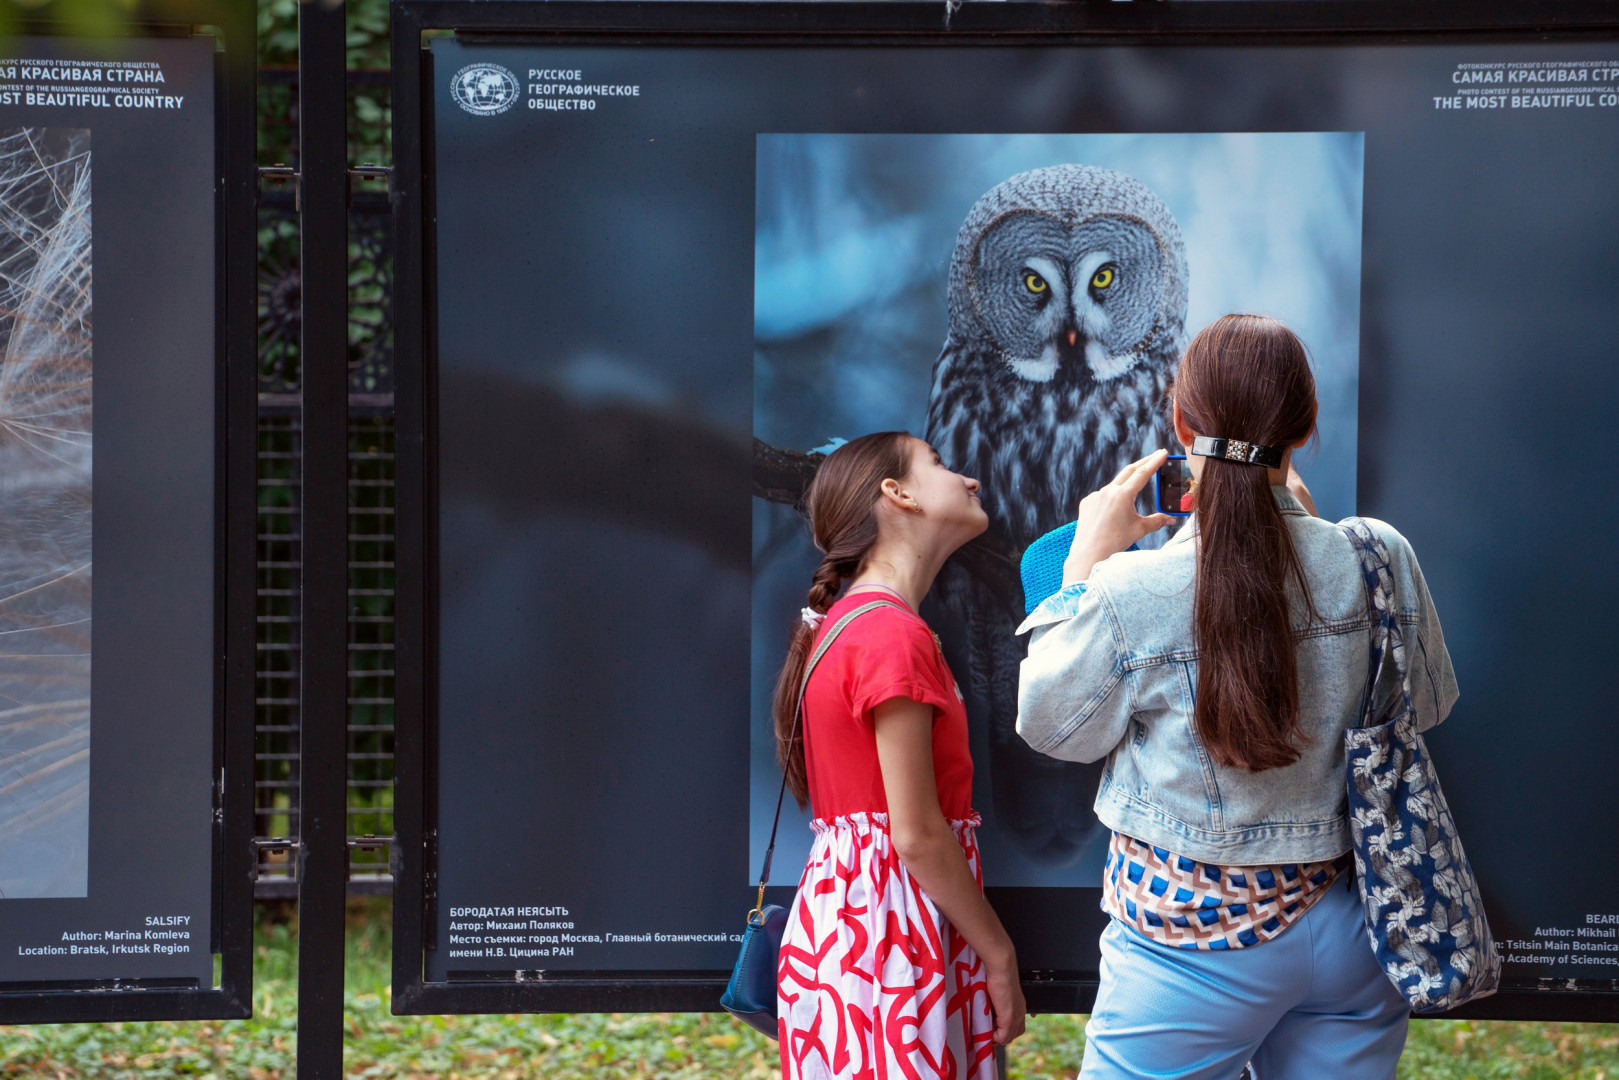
750	996
1423	910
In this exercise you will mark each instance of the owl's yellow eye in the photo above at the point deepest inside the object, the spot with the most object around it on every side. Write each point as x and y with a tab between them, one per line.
1034	282
1102	278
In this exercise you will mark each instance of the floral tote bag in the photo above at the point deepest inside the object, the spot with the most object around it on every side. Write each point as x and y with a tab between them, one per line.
1423	911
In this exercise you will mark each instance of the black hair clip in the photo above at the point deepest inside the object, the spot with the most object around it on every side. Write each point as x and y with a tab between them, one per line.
1246	453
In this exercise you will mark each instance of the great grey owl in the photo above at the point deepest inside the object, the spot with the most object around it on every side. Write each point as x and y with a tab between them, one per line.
1067	308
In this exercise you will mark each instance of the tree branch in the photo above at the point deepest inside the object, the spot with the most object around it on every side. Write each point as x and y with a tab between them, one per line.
783	476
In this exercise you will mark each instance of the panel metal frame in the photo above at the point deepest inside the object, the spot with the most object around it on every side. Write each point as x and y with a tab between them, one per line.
323	737
849	23
235	505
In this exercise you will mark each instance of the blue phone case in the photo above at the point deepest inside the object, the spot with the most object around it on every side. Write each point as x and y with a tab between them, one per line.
1158	489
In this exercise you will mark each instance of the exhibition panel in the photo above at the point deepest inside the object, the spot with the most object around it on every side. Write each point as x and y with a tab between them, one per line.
126	459
655	261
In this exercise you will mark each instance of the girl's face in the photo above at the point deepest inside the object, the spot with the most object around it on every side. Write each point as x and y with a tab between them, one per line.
947	498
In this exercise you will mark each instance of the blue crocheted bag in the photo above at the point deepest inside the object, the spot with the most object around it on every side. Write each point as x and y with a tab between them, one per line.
1042	565
1423	910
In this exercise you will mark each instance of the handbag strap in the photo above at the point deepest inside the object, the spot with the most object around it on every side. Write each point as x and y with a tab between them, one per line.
798	714
1389	647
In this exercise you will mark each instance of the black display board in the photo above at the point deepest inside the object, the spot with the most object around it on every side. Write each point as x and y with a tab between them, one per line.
650	256
128	402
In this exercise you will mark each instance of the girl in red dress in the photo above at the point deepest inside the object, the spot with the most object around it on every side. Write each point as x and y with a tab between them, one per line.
893	964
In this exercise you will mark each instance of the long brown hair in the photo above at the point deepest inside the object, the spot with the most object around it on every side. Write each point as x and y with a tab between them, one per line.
1246	377
842	506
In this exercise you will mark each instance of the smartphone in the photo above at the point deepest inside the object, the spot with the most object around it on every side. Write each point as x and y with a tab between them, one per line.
1173	482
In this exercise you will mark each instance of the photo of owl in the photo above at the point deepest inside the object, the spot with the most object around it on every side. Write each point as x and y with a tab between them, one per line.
1063	275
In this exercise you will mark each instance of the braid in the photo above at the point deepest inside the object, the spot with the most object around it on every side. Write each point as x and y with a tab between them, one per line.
826	584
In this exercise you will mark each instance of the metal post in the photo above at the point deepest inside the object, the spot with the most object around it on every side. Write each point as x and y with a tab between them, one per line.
323	263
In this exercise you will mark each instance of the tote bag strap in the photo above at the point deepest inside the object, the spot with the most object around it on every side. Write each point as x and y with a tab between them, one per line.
1387	647
798	715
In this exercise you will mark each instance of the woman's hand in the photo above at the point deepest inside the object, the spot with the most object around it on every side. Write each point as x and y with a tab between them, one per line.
1006	999
1108	521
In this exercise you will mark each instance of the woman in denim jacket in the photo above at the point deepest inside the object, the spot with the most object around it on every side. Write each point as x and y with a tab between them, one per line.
1217	676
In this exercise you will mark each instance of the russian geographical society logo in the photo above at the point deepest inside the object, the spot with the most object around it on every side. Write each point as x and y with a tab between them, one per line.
485	89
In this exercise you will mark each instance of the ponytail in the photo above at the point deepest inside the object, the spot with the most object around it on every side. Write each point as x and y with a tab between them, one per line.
1246	377
842	507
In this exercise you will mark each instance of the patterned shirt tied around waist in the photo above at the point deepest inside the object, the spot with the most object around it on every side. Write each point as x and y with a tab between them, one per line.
1186	904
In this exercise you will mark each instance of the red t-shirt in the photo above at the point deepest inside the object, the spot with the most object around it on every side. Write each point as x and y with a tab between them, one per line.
883	654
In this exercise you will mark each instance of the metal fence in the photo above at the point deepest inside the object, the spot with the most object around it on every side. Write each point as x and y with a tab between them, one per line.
371	493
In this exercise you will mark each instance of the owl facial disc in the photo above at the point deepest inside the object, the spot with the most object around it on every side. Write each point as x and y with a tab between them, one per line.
1068	303
1108	286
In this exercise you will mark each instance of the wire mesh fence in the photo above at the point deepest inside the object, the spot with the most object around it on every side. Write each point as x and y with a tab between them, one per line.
275	699
370	644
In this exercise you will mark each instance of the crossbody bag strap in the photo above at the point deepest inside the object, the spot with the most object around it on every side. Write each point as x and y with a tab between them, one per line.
798	715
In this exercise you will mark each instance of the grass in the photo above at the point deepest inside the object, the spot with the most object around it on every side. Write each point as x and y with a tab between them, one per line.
681	1046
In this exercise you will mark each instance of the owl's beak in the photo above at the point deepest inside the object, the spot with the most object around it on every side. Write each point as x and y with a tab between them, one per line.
1073	338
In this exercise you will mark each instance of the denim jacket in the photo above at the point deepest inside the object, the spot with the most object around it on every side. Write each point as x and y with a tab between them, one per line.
1112	672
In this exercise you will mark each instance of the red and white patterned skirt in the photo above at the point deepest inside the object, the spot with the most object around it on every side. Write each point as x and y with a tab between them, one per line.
872	982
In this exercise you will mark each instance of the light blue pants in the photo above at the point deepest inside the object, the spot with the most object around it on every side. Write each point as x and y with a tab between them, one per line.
1310	1004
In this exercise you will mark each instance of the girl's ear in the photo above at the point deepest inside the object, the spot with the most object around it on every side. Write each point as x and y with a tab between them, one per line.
897	496
1183	432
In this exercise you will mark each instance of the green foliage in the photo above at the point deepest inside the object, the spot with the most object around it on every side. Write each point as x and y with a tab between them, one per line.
1500	1050
89	18
278	33
367	35
658	1046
